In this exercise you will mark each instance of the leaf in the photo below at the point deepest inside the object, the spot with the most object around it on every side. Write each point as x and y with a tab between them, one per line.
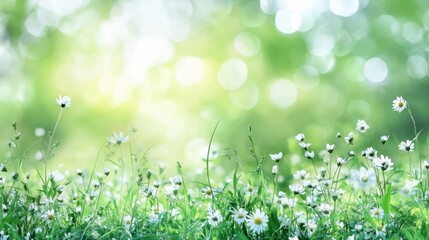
385	201
369	219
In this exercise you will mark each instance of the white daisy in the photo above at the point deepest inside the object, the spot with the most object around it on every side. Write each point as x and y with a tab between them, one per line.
377	213
325	208
362	178
349	139
407	146
239	215
300	137
276	157
249	190
309	155
257	222
330	147
64	102
214	217
361	126
301	175
384	138
383	162
128	220
399	104
118	138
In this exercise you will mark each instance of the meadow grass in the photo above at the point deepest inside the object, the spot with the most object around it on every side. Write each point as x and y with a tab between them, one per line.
346	192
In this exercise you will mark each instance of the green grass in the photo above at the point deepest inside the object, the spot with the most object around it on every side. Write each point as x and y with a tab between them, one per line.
341	194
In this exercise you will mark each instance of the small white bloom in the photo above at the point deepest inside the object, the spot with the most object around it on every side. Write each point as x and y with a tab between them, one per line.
128	220
349	139
49	215
426	164
301	175
363	178
384	138
408	189
249	190
370	153
361	126
325	208
276	157
239	215
377	213
118	138
300	137
399	104
407	146
274	170
214	218
330	147
257	221
341	161
304	145
309	155
297	189
384	163
64	102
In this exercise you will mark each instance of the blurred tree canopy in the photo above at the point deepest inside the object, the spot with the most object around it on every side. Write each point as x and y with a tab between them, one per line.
173	68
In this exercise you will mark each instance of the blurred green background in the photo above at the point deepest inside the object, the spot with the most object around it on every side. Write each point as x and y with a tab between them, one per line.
173	68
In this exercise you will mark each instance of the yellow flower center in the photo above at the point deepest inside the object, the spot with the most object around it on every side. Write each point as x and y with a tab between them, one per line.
208	192
364	179
128	221
258	221
50	216
240	215
400	104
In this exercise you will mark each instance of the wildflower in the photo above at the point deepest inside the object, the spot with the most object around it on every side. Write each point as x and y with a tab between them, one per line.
128	220
370	153
293	238
408	189
79	172
330	147
341	161
257	221
106	171
309	155
239	215
276	157
325	208
338	135
349	139
249	190
351	153
64	102
214	217
49	215
274	170
301	175
399	104
311	201
361	126
289	202
3	167
300	137
426	164
377	213
384	138
407	146
118	138
362	178
207	191
383	162
57	176
297	189
176	180
304	145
